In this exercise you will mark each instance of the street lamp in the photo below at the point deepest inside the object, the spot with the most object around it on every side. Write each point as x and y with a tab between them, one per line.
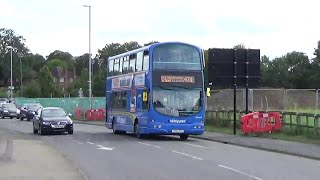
21	90
10	47
90	89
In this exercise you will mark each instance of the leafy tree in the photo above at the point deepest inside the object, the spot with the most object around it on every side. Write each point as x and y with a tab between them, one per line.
52	64
32	90
47	84
98	85
151	42
239	46
81	62
9	38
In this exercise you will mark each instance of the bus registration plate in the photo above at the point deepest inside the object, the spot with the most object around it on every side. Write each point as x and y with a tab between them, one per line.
177	131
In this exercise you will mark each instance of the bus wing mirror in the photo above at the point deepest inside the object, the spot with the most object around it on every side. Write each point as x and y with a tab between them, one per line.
145	96
208	92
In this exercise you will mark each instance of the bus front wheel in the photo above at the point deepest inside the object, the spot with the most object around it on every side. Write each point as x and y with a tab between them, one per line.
184	136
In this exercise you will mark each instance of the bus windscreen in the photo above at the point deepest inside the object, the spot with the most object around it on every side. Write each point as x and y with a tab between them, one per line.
177	57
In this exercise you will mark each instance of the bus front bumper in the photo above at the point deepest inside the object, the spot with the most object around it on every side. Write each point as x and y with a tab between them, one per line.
172	129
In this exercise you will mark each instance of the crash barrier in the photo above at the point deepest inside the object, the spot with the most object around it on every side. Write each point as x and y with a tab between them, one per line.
260	122
95	114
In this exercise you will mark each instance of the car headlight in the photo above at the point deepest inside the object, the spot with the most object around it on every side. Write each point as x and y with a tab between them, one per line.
33	113
18	111
69	122
6	111
46	123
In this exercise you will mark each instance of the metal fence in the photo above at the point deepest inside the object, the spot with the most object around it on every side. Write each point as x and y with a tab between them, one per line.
296	100
292	122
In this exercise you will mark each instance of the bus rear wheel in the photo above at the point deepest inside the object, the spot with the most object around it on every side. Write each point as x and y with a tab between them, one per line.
184	136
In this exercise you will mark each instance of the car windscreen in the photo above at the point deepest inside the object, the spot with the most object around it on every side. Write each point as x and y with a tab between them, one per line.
34	107
53	113
10	106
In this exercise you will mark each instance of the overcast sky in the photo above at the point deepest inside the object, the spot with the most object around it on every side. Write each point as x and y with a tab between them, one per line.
274	26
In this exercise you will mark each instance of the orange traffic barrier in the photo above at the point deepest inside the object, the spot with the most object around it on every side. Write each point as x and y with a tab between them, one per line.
78	113
95	114
249	122
261	122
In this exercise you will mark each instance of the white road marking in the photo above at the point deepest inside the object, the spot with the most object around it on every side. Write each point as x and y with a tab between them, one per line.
185	154
90	142
149	144
240	172
104	148
195	145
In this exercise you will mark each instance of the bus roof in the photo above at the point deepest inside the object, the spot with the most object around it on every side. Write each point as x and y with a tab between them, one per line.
146	47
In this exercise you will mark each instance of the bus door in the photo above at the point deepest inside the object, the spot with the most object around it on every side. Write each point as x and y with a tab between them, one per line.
142	100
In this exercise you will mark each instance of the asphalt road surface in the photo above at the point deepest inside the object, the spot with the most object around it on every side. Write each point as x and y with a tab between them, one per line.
102	155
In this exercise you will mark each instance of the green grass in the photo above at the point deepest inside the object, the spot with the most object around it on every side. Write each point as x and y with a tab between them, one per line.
308	138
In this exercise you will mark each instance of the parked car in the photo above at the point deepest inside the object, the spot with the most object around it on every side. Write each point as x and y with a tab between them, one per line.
8	110
3	100
52	119
28	110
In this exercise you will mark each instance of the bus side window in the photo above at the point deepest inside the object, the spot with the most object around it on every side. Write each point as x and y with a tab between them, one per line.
139	61
132	65
110	68
145	60
116	67
124	100
125	65
121	63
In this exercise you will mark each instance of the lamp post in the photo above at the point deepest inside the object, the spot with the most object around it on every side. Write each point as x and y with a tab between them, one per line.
21	90
90	64
10	47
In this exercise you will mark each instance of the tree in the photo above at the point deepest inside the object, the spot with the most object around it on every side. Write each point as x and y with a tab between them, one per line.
48	87
239	46
81	62
32	90
52	64
9	38
151	42
98	85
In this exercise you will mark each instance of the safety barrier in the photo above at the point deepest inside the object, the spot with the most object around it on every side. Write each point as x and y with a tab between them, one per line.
260	122
95	114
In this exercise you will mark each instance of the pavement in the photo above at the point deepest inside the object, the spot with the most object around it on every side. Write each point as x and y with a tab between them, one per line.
101	155
24	158
287	147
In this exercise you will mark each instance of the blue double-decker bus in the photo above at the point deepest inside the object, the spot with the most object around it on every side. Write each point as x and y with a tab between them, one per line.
156	90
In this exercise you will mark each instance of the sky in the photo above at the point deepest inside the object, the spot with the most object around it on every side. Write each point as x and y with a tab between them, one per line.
275	27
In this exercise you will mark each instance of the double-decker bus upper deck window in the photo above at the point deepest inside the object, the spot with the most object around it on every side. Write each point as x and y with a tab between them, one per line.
145	60
116	67
139	61
125	65
121	62
110	67
176	56
132	65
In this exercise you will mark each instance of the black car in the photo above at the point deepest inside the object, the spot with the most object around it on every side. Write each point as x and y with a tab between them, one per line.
29	110
8	110
52	119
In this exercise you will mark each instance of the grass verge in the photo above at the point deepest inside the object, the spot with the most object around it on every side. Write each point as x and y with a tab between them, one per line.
275	135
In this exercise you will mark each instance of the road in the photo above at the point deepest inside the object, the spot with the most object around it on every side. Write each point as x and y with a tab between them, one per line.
102	155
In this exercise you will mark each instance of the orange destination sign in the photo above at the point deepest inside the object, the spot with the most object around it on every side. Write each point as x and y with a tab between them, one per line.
177	79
